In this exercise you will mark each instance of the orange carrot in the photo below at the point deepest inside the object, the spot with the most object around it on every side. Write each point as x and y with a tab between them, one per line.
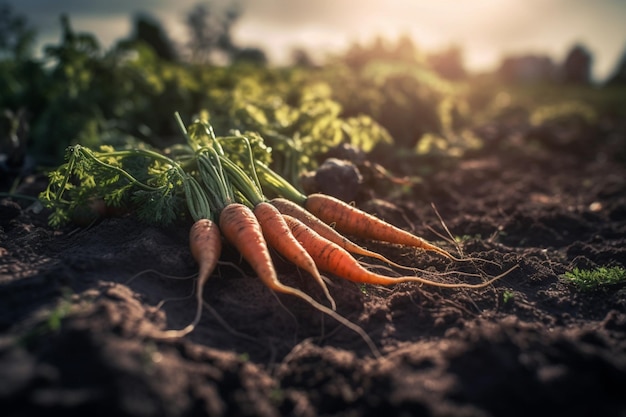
292	209
205	243
352	221
332	258
241	228
279	237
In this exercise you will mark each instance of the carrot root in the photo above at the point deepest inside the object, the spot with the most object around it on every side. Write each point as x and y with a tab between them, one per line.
279	236
205	243
292	209
352	221
332	258
241	228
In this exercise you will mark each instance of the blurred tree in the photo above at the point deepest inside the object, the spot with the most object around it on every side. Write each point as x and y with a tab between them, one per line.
405	50
21	77
210	33
249	55
74	94
73	45
300	57
448	63
380	49
148	29
355	56
17	38
576	68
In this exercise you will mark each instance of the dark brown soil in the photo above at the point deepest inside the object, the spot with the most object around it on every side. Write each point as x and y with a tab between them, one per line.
79	332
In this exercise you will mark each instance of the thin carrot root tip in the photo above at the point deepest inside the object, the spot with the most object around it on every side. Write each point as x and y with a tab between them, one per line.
161	274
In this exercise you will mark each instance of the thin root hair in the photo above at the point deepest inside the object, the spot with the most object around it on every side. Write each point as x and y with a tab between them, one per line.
161	274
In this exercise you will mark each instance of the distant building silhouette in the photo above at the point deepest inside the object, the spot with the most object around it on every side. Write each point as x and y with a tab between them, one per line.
533	68
528	69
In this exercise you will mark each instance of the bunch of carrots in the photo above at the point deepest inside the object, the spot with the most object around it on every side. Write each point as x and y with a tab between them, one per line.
225	195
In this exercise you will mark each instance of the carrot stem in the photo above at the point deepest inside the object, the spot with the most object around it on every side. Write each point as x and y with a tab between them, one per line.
277	184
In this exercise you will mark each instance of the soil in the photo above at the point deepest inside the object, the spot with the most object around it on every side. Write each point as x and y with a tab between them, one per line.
79	323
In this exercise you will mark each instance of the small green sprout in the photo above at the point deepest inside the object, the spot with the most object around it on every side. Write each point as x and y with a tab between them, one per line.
508	296
591	279
363	289
465	238
50	322
277	396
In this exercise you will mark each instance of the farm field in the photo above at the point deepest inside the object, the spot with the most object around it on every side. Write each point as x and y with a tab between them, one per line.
528	181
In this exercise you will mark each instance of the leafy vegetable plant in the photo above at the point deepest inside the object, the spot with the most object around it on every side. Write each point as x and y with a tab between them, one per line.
140	177
220	183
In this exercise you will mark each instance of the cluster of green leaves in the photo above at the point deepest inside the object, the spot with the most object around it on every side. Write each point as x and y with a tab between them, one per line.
116	178
423	112
591	279
196	178
301	123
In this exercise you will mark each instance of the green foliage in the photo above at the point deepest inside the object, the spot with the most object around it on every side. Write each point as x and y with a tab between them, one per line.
543	103
508	297
118	178
50	322
370	96
401	97
591	279
293	115
563	110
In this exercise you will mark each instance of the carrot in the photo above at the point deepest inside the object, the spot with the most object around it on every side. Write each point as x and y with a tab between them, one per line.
241	228
278	236
292	209
273	226
352	221
205	243
332	258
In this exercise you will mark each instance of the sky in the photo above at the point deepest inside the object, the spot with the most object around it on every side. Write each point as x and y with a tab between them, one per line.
486	30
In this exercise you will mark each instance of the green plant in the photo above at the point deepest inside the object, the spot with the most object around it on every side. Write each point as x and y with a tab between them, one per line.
50	321
465	238
591	279
508	297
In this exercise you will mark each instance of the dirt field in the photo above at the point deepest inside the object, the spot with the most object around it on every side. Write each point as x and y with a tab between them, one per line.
78	330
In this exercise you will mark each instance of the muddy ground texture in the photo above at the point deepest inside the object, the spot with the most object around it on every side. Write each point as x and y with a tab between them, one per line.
78	326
